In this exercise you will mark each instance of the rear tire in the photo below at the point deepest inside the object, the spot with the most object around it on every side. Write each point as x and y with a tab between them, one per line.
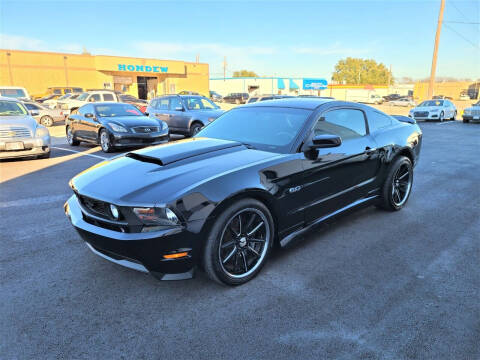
466	120
46	121
71	138
441	116
398	185
195	128
239	243
454	116
45	156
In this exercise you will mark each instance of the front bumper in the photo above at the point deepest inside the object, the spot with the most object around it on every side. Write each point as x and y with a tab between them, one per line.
430	116
138	139
32	147
471	117
139	251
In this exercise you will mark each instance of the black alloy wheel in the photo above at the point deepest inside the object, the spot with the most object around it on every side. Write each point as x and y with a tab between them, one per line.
239	243
71	138
195	129
398	185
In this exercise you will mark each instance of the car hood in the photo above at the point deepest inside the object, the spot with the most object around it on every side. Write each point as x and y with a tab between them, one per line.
131	121
163	173
427	108
24	120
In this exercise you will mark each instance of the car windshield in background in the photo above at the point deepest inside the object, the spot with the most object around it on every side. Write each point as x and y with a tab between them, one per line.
66	96
12	108
265	128
432	103
113	110
199	103
13	93
82	96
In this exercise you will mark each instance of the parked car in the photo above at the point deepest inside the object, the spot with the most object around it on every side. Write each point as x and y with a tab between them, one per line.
46	116
391	97
442	97
214	96
71	105
256	98
184	114
58	90
140	104
404	101
315	96
20	135
53	103
186	92
236	98
472	113
259	175
15	92
464	97
434	110
48	97
113	125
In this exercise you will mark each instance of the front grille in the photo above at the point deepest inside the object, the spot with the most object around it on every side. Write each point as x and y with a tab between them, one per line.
420	113
97	207
476	112
14	132
105	225
146	129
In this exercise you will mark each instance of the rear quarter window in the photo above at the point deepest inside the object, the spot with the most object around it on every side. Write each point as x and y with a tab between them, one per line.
378	120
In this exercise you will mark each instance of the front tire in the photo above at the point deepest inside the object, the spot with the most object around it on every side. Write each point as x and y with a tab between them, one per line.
105	142
239	243
71	138
46	121
442	115
466	121
398	185
454	116
195	128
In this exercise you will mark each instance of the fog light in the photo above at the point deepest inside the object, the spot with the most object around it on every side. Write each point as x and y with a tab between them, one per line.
114	211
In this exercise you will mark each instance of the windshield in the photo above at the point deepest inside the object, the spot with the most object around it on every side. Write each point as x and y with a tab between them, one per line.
66	96
113	110
199	103
82	96
267	128
13	93
432	103
12	108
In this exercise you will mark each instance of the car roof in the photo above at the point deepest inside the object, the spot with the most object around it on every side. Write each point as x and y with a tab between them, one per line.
6	98
301	103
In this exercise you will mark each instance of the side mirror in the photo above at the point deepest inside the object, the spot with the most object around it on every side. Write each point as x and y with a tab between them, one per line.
146	113
322	141
179	108
34	113
90	115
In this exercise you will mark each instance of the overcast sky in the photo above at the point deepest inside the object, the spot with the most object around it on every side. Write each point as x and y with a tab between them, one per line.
280	38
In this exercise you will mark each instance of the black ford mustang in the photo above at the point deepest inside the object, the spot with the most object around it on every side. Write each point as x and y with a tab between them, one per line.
260	174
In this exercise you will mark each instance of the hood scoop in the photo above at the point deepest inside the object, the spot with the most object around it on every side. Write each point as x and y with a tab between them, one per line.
180	150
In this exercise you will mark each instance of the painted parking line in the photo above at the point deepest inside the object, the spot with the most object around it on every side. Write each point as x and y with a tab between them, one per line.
446	122
86	153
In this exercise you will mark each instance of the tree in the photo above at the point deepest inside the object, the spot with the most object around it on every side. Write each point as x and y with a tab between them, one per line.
244	73
361	71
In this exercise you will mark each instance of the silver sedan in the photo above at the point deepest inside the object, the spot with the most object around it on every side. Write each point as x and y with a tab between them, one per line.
46	116
20	135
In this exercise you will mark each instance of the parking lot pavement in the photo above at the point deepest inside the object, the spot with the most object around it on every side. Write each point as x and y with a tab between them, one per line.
372	285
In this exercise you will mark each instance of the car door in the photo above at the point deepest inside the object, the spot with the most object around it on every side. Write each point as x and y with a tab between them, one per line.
179	120
338	176
88	124
160	109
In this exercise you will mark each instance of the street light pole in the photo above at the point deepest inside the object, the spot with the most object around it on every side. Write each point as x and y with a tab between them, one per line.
435	50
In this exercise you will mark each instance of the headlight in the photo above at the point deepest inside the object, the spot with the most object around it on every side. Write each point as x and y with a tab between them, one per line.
155	218
163	126
117	128
41	131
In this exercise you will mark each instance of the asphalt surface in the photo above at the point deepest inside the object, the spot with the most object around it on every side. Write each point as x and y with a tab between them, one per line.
372	285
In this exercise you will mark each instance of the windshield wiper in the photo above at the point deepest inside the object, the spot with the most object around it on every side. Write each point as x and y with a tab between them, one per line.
145	158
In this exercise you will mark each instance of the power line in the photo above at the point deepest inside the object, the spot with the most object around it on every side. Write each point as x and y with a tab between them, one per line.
463	37
461	13
462	22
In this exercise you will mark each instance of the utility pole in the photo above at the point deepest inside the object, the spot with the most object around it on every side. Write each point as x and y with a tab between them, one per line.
435	50
389	77
224	67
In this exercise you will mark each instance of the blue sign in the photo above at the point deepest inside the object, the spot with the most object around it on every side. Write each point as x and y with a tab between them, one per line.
314	84
142	68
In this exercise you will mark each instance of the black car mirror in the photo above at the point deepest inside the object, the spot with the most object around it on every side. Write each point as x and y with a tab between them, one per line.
324	141
34	113
90	116
179	108
146	113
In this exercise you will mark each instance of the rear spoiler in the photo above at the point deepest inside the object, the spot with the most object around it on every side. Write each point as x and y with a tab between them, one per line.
406	119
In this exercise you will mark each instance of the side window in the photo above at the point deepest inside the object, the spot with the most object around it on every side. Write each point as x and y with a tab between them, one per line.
107	97
163	104
346	123
57	91
31	106
153	103
377	120
94	97
175	102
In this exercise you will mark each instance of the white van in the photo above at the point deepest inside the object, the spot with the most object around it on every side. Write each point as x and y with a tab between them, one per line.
17	92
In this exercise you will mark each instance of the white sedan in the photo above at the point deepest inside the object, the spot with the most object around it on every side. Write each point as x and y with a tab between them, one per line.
434	110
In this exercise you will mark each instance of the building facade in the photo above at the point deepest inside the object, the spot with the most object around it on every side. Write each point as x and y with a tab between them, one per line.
140	77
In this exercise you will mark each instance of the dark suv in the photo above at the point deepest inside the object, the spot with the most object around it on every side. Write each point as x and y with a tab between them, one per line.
236	98
184	114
